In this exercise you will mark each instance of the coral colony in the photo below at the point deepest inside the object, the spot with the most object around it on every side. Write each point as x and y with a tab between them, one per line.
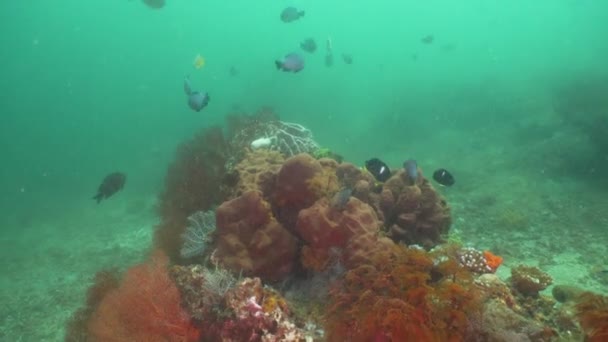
261	238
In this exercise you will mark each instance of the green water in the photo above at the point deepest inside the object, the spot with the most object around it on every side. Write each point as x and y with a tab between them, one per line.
91	87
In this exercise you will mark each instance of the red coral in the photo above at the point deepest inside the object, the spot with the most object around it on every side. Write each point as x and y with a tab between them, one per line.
250	240
592	311
146	307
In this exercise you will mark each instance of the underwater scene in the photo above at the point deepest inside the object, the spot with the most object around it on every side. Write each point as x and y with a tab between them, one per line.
304	170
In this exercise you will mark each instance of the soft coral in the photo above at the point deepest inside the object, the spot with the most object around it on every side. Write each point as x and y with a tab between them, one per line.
145	307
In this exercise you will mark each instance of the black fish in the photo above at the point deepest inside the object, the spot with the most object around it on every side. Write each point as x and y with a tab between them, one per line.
348	59
110	185
290	14
378	169
309	45
444	177
428	39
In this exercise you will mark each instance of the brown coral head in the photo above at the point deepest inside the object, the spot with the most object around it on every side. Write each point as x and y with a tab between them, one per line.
529	280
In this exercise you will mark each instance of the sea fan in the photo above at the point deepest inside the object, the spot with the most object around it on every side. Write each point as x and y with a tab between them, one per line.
198	233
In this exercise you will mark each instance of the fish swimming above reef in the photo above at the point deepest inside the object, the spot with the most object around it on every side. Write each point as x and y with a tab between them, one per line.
292	62
110	185
347	58
199	61
411	168
309	45
428	39
197	100
378	169
444	177
156	4
340	199
290	14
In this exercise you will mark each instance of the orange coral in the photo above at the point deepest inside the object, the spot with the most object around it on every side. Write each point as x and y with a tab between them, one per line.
592	311
492	260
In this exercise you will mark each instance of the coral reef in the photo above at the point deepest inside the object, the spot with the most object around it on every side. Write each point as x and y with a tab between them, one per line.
258	171
300	182
354	230
202	289
287	138
145	307
365	259
592	311
77	327
529	280
193	183
479	262
258	314
198	234
392	299
251	241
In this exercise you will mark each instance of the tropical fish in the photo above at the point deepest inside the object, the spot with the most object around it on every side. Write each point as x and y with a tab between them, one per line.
428	39
197	100
156	4
292	62
378	169
411	168
340	199
347	58
111	184
199	61
444	177
290	14
329	59
309	45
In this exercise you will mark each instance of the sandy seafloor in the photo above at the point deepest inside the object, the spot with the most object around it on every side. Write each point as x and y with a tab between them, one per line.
509	198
